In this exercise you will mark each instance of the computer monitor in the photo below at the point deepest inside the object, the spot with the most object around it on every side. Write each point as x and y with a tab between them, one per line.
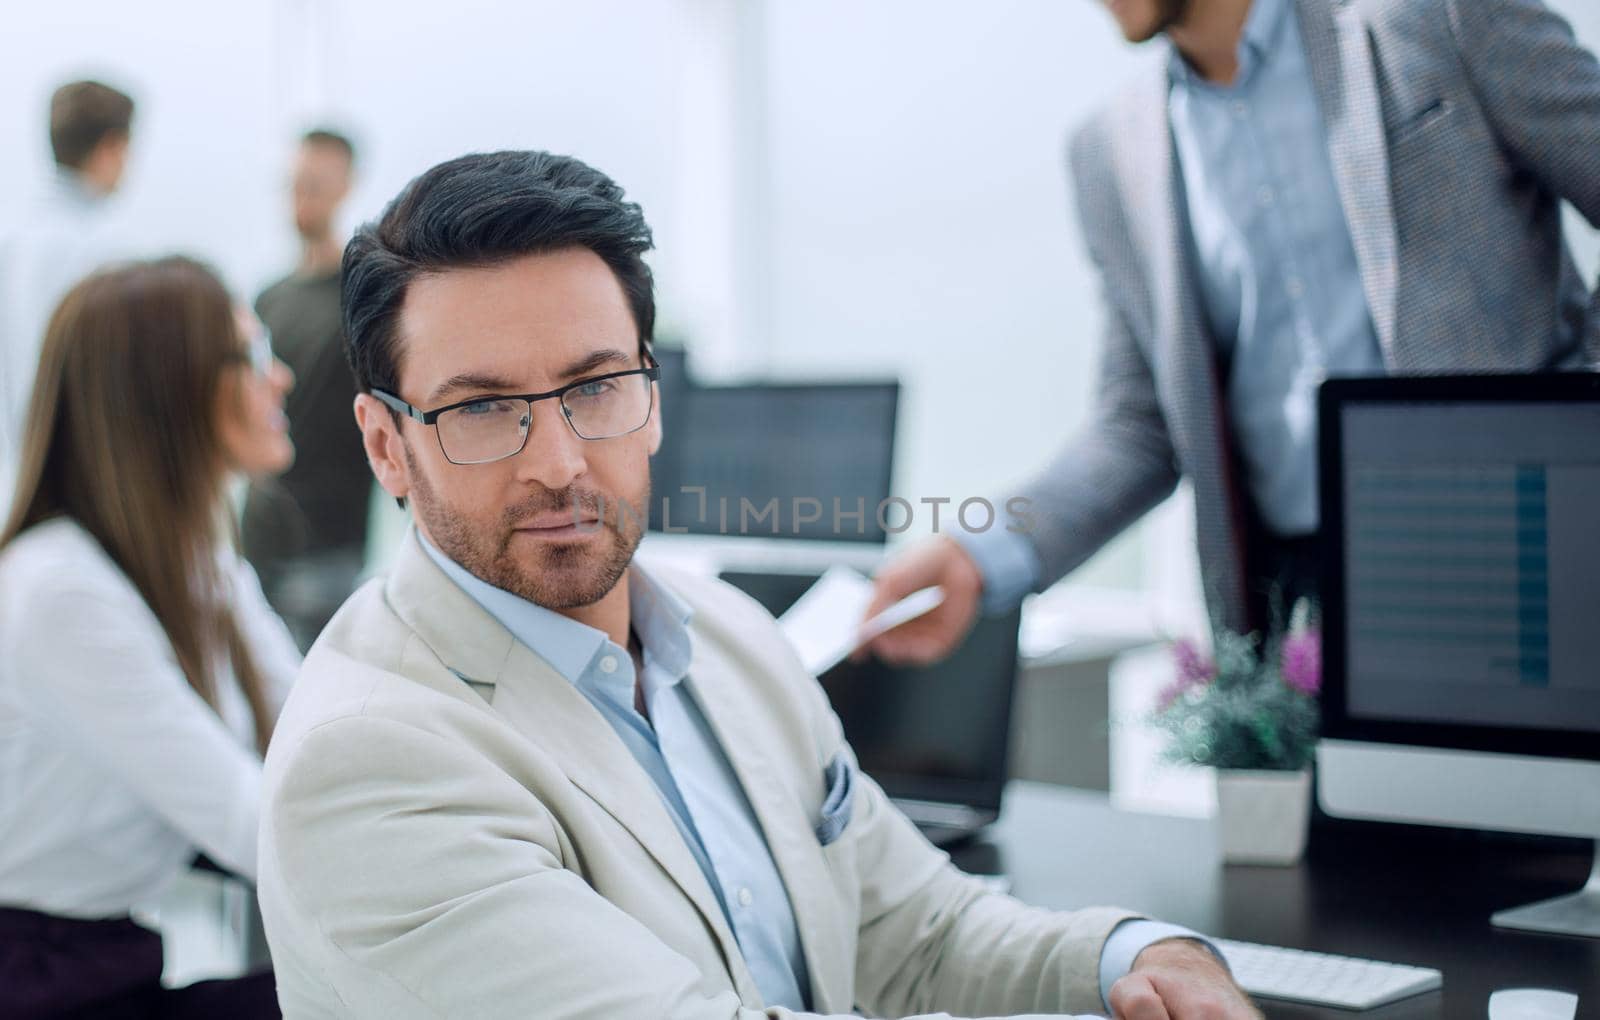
777	460
936	738
1461	610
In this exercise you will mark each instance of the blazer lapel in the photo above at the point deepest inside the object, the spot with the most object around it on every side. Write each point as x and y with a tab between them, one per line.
1146	165
1340	56
546	708
723	696
1184	355
543	706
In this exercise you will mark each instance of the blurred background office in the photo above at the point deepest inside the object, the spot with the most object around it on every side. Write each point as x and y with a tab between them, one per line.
839	191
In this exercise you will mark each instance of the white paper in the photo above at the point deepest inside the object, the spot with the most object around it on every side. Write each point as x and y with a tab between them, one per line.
825	624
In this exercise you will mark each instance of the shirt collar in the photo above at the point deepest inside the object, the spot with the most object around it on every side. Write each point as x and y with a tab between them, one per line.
661	619
1262	27
658	616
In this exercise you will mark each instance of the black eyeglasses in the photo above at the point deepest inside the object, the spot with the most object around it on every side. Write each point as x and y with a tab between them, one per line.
486	429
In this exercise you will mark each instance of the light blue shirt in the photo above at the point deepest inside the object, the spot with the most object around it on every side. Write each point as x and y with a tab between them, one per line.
678	750
1279	280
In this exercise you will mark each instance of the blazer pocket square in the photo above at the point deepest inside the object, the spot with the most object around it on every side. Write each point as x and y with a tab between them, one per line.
840	799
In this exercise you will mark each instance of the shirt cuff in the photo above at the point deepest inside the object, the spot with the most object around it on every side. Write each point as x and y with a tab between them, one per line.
1009	565
1132	937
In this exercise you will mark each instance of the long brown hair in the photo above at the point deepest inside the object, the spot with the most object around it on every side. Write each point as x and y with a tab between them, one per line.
121	437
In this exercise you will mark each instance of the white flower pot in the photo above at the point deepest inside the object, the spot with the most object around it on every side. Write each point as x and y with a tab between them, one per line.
1263	815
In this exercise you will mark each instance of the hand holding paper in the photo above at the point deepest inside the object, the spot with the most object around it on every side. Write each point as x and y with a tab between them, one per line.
825	625
939	562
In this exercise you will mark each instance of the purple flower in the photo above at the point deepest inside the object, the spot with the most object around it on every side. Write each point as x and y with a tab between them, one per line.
1194	670
1302	661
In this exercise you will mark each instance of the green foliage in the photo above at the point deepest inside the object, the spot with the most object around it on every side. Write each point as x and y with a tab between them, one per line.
1239	711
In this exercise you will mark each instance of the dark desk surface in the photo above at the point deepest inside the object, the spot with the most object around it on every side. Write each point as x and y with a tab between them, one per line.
1405	894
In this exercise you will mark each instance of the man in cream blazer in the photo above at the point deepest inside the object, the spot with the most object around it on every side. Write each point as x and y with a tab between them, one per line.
472	809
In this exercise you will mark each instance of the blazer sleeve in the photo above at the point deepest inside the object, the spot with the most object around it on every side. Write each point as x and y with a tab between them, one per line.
1122	463
933	941
936	941
1541	91
93	665
440	880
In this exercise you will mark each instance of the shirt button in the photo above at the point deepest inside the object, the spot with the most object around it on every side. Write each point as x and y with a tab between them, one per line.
1265	196
1240	108
1295	288
608	664
746	897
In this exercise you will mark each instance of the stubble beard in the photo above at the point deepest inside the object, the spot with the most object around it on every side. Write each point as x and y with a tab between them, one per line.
568	574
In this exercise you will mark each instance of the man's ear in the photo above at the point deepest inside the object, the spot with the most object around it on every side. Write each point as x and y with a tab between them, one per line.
380	437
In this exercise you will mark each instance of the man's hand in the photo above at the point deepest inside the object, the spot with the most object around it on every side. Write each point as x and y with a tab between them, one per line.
1179	979
935	634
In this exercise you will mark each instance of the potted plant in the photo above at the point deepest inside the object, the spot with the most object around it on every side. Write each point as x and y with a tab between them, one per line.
1250	711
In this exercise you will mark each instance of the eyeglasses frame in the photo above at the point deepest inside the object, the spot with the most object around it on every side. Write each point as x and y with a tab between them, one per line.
652	372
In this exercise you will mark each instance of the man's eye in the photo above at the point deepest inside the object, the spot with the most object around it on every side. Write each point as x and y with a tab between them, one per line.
597	388
487	407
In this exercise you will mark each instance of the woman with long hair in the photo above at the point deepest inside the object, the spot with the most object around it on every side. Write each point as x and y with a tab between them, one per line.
141	669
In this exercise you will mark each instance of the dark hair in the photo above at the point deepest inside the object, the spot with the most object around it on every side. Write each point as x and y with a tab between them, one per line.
482	210
82	115
121	436
332	139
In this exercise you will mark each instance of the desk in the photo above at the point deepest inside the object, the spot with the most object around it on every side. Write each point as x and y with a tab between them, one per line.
1406	894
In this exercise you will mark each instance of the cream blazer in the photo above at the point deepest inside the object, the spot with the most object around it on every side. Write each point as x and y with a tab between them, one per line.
450	829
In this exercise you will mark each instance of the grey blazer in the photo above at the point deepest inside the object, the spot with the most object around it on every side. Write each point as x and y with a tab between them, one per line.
1455	128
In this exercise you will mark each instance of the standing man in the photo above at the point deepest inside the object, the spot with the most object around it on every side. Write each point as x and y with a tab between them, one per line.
61	235
1297	189
306	532
525	776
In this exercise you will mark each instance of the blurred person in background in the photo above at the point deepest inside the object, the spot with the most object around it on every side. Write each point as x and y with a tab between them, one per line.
1293	190
141	670
305	532
61	235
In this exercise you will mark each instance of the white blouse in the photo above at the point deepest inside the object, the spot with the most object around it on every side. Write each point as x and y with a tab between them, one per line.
113	770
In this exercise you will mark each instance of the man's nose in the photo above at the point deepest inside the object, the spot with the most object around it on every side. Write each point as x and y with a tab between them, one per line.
554	455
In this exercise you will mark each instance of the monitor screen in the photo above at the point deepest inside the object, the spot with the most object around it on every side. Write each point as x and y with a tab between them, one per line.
938	733
1464	561
777	461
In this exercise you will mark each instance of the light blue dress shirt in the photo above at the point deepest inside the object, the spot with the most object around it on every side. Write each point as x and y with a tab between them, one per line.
678	750
1279	280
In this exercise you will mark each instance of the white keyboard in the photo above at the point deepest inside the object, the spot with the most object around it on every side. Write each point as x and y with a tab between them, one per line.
1321	979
